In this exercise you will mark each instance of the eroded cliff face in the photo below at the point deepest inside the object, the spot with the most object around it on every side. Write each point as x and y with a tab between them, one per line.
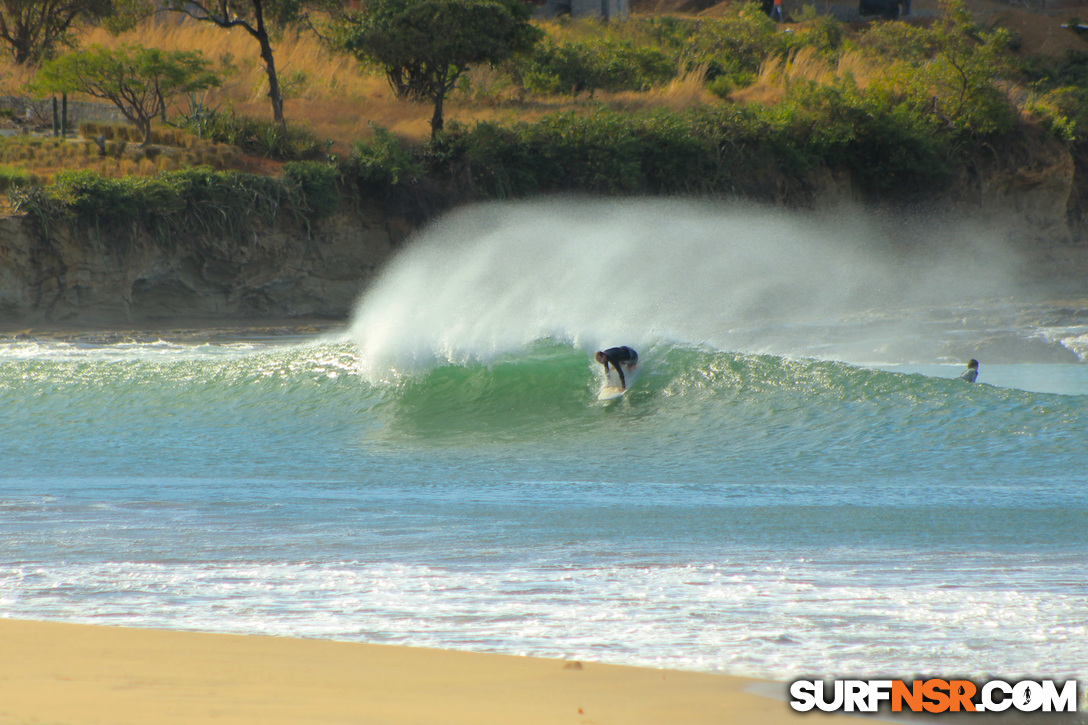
1035	197
75	275
1031	189
1031	199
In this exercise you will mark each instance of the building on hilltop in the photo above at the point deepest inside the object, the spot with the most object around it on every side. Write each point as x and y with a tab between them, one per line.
604	9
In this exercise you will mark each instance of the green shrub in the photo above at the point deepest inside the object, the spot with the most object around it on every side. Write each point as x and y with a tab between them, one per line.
667	32
89	195
381	161
258	137
1065	112
889	145
12	177
318	185
721	86
954	67
1061	93
601	64
823	32
194	204
1069	70
735	45
560	153
605	152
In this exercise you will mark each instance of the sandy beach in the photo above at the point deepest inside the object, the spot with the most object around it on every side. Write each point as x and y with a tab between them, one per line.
78	674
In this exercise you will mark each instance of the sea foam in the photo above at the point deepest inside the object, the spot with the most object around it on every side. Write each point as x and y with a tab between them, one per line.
490	279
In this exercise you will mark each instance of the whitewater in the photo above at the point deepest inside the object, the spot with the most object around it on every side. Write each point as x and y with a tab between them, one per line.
796	484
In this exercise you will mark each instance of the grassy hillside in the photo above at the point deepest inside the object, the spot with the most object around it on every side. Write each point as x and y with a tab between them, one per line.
339	100
700	99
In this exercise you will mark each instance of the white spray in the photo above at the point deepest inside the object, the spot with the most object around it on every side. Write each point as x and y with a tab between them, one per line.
491	279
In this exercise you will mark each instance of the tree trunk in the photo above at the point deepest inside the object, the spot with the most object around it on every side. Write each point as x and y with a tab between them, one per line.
436	119
274	93
144	127
23	45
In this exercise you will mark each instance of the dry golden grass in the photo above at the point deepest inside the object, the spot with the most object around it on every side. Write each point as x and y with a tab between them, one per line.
13	78
802	65
328	92
339	99
861	68
682	93
568	30
777	74
332	94
44	157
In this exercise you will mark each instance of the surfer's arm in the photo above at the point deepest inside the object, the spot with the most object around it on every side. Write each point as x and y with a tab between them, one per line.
623	380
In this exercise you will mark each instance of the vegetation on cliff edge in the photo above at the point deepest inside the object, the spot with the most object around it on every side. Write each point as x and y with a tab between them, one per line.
658	105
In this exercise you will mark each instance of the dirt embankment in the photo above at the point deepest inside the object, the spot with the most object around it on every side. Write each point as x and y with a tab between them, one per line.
74	274
1034	197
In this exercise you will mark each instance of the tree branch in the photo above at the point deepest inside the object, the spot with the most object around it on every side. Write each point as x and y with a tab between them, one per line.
221	20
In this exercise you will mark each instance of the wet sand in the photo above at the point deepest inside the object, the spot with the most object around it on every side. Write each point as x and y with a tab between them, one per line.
82	675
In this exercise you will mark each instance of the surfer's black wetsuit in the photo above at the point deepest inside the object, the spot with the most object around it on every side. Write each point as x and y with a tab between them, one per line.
618	356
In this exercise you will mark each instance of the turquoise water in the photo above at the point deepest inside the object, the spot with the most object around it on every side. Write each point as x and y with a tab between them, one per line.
441	474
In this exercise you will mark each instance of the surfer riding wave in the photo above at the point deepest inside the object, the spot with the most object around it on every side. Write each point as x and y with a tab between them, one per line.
619	358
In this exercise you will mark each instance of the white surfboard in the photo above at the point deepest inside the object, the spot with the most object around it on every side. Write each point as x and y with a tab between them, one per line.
610	392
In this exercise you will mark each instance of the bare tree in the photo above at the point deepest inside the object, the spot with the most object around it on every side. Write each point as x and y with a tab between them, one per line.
261	19
35	29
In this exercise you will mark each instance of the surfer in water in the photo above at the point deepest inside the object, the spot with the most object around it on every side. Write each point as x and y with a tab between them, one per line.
971	373
619	358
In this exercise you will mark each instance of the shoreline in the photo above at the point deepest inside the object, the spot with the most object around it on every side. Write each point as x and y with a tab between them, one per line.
180	330
80	674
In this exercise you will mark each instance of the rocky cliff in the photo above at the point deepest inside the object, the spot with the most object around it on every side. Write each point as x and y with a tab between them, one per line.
71	275
1036	195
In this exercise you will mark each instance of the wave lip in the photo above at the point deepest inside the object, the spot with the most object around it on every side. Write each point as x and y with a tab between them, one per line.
491	279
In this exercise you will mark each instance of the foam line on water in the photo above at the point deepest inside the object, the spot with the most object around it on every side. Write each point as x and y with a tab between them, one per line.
770	617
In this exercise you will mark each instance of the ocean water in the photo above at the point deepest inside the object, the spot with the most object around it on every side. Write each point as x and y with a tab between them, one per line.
795	484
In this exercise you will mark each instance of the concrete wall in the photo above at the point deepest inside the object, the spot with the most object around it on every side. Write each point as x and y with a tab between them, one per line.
605	9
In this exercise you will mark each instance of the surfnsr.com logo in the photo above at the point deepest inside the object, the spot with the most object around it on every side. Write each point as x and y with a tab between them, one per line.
934	695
